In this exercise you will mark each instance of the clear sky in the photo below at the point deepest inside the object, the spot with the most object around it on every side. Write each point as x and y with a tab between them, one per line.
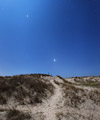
50	36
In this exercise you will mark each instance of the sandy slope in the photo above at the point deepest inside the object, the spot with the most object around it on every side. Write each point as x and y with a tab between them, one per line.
54	103
49	109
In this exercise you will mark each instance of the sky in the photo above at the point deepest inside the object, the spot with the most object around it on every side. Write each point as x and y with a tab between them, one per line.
58	37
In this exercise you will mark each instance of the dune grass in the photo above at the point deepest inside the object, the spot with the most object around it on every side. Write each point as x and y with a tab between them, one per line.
17	115
31	87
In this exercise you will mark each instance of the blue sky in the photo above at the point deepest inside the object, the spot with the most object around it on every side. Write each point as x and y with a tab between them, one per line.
34	32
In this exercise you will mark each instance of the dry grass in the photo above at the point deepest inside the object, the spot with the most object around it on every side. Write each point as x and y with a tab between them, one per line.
2	99
77	116
73	96
94	95
80	99
56	82
80	103
17	115
64	80
22	87
92	82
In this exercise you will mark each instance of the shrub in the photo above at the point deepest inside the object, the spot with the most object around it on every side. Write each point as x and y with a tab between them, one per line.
73	96
95	96
2	99
17	115
22	87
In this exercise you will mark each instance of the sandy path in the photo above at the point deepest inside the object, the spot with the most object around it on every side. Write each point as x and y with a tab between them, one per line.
50	107
54	103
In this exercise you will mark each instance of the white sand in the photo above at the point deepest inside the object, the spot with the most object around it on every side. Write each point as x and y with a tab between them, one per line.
55	105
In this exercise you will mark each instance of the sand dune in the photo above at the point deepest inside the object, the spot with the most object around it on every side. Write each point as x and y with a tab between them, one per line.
62	99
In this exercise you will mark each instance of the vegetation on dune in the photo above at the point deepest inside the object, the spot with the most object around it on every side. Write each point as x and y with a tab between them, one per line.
17	115
64	80
92	81
2	99
24	88
94	95
77	100
27	90
73	96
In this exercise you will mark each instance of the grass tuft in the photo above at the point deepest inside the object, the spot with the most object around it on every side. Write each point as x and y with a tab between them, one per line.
25	88
17	115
